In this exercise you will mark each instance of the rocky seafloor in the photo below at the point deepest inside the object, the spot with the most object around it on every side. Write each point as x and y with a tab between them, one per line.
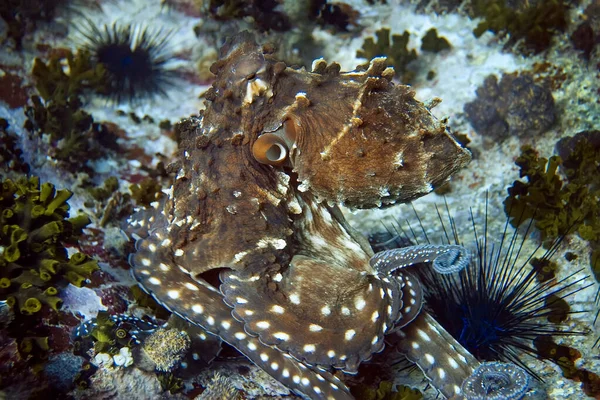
72	323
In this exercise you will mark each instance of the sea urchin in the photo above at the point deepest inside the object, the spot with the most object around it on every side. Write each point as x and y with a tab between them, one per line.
134	60
496	307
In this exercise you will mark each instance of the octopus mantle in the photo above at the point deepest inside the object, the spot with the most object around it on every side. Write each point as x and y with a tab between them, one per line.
249	243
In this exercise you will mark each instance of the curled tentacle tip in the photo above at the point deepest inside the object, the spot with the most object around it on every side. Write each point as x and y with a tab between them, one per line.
454	259
447	258
496	381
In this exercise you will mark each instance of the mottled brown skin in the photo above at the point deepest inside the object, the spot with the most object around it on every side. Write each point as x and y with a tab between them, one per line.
357	169
294	276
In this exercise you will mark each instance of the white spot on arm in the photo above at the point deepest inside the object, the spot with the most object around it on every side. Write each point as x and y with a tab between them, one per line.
349	335
154	281
360	303
430	359
309	348
423	335
295	298
263	324
278	309
281	336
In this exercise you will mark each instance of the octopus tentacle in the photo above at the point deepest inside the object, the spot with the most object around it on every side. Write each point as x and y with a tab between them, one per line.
446	258
441	358
412	300
328	326
496	381
327	307
201	304
256	175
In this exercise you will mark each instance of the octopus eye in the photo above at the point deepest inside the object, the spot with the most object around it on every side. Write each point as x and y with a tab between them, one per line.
270	149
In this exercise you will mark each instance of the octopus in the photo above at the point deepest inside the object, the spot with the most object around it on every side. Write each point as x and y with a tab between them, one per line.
250	244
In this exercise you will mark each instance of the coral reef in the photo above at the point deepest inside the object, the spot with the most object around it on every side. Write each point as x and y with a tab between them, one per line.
166	348
35	266
255	188
514	106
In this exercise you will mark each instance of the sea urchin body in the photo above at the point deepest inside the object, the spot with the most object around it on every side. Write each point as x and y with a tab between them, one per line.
134	60
497	306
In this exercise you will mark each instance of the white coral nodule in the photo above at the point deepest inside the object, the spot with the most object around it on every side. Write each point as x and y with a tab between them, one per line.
124	358
103	359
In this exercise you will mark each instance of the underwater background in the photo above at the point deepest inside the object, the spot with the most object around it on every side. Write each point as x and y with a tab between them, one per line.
92	93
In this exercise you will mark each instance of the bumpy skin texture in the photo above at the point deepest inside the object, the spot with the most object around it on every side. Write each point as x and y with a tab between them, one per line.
253	201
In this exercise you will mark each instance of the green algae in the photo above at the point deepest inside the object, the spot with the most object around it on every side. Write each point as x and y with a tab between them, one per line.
57	110
34	228
534	23
557	205
392	46
146	192
433	43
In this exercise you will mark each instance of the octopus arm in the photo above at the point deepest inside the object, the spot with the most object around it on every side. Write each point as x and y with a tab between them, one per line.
441	358
327	306
199	303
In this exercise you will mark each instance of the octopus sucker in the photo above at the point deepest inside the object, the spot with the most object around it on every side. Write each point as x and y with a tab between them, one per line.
260	174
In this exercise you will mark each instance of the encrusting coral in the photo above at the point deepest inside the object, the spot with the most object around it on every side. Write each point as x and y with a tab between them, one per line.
166	347
514	106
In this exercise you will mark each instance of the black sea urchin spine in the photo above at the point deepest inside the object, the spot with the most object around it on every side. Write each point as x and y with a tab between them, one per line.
496	307
134	60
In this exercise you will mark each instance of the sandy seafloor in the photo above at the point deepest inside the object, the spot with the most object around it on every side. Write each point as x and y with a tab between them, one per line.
459	72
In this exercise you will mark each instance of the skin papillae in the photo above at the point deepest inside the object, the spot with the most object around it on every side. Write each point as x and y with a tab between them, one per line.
254	203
